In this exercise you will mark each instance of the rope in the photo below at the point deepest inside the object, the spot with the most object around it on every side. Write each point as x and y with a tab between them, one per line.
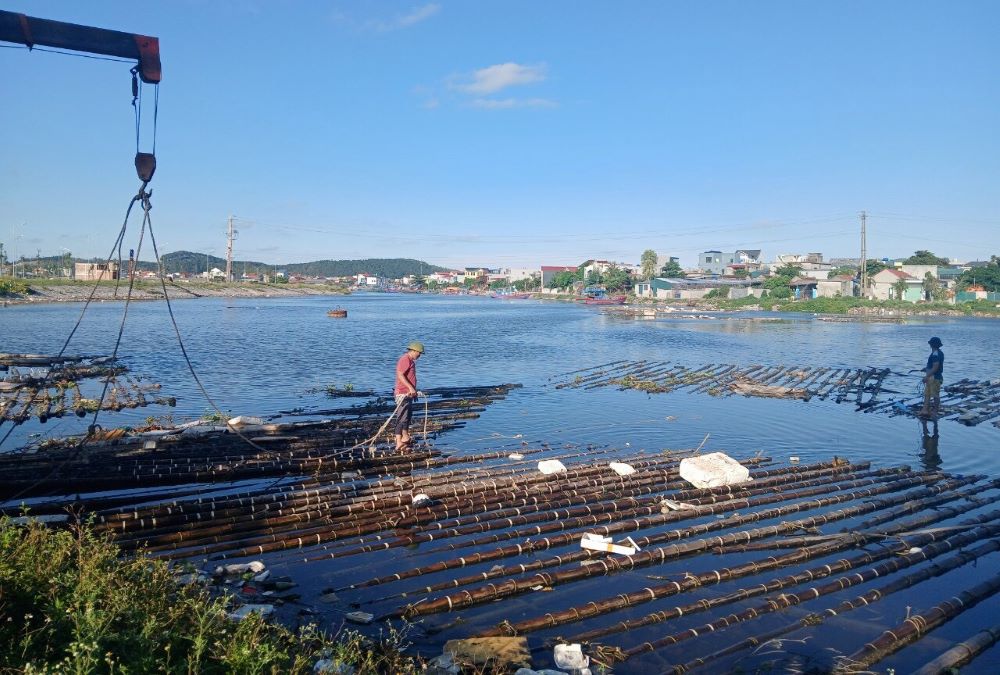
143	196
90	298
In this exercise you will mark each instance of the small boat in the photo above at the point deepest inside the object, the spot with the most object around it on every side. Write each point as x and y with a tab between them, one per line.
595	295
337	313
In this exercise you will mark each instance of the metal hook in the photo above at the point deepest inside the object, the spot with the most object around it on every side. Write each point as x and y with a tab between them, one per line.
135	84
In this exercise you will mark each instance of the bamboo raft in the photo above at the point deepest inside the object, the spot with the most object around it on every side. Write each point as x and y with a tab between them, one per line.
54	390
215	451
862	385
483	544
970	402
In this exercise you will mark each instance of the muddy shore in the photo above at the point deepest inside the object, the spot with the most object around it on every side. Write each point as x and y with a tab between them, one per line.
79	292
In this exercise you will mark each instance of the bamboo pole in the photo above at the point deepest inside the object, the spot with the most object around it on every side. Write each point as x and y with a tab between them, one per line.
916	626
652	556
882	570
963	652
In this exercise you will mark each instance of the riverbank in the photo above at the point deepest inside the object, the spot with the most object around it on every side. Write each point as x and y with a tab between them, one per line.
848	307
80	291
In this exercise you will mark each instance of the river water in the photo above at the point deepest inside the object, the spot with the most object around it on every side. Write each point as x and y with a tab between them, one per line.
261	357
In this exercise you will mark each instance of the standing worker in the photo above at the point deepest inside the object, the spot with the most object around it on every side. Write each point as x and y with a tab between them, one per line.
933	377
405	391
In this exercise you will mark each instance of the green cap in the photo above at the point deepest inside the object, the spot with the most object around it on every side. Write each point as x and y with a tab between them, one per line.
416	346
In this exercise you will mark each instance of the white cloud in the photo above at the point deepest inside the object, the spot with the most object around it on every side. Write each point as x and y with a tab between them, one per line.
385	25
506	103
492	79
413	17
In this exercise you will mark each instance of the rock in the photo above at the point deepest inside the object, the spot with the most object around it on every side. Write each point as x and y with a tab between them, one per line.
333	667
443	665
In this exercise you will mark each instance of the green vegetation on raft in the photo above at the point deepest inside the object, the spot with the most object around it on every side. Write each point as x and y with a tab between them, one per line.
74	603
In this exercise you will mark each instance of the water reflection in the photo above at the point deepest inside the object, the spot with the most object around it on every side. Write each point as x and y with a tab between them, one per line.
929	456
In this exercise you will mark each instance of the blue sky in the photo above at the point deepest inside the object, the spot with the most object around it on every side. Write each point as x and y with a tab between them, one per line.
516	133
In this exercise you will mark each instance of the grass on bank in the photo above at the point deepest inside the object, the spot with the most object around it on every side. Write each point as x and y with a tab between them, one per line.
70	602
844	305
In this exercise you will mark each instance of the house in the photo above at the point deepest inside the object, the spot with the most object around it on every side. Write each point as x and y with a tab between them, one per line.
807	262
663	288
446	277
886	285
479	274
595	267
549	272
713	262
95	271
840	286
520	273
716	262
662	259
366	280
803	288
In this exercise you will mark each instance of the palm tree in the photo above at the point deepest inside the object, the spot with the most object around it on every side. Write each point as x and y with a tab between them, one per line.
648	263
900	288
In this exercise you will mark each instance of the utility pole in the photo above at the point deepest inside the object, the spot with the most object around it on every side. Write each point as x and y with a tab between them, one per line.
864	257
230	235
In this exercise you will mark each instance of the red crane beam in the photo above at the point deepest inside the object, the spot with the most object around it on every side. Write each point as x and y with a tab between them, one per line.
31	31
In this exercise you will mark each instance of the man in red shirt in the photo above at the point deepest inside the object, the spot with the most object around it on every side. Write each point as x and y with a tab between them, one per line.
405	391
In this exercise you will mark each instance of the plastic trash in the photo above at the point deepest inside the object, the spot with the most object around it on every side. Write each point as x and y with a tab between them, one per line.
363	618
570	656
551	466
595	542
246	610
622	469
243	420
421	499
713	470
240	568
671	505
515	456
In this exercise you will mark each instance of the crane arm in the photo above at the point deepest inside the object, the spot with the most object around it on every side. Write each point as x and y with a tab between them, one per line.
31	31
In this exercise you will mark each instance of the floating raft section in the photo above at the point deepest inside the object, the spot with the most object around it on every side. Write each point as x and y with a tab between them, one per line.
832	563
216	452
51	387
970	402
861	385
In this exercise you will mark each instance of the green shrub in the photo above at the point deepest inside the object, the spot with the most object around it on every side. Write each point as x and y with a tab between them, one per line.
11	286
73	603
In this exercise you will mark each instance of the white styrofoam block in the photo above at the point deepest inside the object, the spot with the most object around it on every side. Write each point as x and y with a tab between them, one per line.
713	470
622	469
550	466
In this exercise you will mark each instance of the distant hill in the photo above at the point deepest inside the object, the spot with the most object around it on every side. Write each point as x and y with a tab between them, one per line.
392	268
195	263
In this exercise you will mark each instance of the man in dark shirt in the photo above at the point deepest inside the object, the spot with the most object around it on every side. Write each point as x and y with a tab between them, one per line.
405	390
933	377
